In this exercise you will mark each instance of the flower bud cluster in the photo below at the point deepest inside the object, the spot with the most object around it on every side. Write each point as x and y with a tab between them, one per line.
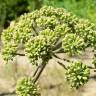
9	51
73	44
77	74
27	87
38	48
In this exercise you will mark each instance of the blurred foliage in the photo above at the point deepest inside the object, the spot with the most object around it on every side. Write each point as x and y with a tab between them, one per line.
11	9
83	8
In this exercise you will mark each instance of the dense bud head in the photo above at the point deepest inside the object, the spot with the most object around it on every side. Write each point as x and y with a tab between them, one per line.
9	51
47	22
19	31
7	34
38	48
27	87
77	74
62	30
86	30
73	44
50	36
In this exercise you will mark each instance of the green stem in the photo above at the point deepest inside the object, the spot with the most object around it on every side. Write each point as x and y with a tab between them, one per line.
62	65
57	45
20	54
36	77
36	70
35	32
59	50
69	61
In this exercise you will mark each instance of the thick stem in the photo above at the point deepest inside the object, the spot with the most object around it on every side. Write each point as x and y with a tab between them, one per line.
36	77
36	70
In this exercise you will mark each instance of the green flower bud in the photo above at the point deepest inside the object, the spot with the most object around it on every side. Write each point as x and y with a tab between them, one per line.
27	87
77	74
73	44
38	48
9	51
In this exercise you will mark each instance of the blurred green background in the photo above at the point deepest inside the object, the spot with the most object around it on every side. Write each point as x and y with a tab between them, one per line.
11	9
